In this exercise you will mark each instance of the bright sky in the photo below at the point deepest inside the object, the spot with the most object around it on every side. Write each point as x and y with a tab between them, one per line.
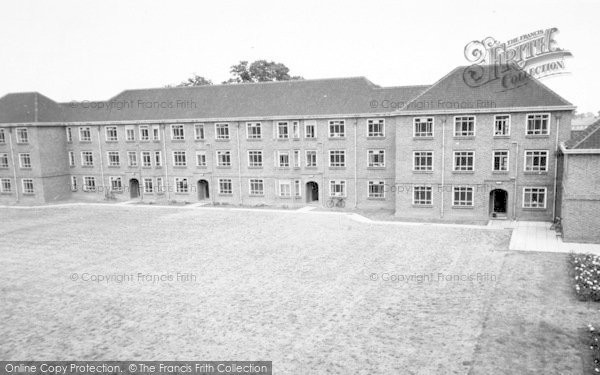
84	50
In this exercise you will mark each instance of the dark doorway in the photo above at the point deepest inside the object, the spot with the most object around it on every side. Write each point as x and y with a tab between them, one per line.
203	192
312	192
498	202
134	188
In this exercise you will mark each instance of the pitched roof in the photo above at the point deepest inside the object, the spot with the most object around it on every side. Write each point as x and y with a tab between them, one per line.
29	107
586	139
483	87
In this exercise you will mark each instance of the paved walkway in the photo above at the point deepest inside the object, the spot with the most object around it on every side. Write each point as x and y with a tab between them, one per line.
537	236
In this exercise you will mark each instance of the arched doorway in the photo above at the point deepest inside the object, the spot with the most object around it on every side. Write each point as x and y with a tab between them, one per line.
498	202
203	192
312	192
134	188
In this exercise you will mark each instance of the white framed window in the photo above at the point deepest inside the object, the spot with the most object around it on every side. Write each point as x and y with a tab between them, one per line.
71	159
111	134
283	159
296	158
5	185
255	158
464	126
22	135
2	136
129	134
283	130
422	160
177	132
311	158
295	129
225	186
69	135
376	189
113	159
297	189
423	127
144	133
201	158
87	159
148	186
464	161
74	183
285	188
337	158
462	196
376	158
253	130
223	158
27	184
116	183
536	161
337	129
199	132
160	187
534	197
376	127
500	161
156	132
179	159
422	195
25	160
222	131
132	159
146	159
89	183
4	160
310	129
538	124
501	125
158	158
181	185
256	186
337	188
85	134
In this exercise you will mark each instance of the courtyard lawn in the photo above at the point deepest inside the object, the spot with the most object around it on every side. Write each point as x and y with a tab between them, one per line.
310	292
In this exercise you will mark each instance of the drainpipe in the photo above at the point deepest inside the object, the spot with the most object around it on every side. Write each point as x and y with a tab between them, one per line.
239	159
515	197
443	165
101	158
141	181
355	164
14	163
556	167
164	140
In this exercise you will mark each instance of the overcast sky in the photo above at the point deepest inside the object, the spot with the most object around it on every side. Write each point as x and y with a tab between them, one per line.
83	50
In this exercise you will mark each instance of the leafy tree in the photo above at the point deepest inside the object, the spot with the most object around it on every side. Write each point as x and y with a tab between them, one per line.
196	80
260	71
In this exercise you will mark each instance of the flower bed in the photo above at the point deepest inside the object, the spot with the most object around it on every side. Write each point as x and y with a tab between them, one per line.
586	275
594	342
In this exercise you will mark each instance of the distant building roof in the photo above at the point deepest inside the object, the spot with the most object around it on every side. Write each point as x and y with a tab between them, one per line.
580	123
586	139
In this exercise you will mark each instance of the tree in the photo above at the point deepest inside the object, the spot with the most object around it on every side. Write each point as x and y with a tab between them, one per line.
260	71
196	80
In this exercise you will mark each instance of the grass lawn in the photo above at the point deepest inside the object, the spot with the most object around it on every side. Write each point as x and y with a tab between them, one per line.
295	289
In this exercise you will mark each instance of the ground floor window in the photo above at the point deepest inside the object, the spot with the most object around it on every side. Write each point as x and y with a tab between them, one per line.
5	186
297	190
422	195
27	185
159	185
89	183
116	184
337	188
225	186
73	183
462	196
257	187
285	188
376	189
181	185
148	185
534	197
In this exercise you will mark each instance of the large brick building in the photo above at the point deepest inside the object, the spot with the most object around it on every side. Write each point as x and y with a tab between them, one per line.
455	150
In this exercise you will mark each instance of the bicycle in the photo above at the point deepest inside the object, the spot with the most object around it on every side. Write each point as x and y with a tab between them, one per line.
339	202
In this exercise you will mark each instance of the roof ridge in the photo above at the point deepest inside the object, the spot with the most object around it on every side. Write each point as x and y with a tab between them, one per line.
588	132
428	89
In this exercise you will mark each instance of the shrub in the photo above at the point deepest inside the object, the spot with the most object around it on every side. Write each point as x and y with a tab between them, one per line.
585	271
594	342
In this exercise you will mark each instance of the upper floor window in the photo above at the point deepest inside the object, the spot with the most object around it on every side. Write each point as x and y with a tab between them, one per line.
156	133
423	161
85	134
464	126
201	158
337	129
222	131
310	129
22	135
538	124
255	158
158	158
71	159
199	132
132	159
87	159
129	134
223	158
311	158
464	161
536	161
423	127
25	160
500	162
337	158
111	134
144	133
283	130
179	159
376	128
4	160
177	132
376	158
146	159
69	134
253	130
295	129
2	136
501	125
114	159
283	158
